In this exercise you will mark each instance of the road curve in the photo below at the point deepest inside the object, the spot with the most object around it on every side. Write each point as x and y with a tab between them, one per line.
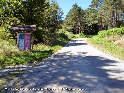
76	68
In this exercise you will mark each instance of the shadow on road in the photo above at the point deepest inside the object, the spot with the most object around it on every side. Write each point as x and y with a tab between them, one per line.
75	71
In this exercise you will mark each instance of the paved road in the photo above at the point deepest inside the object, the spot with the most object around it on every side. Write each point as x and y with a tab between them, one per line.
76	68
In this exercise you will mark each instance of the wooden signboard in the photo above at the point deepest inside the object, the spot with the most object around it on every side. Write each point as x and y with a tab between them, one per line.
23	36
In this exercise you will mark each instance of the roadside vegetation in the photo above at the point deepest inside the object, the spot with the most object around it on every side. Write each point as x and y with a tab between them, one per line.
10	55
110	41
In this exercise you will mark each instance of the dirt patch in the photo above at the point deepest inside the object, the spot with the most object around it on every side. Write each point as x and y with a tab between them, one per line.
117	39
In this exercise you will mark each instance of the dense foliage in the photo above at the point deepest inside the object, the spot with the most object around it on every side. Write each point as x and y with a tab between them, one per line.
42	13
47	15
110	12
102	15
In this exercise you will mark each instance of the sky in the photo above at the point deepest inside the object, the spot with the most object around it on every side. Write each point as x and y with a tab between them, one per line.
66	5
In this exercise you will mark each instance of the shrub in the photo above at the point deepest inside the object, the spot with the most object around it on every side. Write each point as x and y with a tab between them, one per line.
65	34
114	31
8	49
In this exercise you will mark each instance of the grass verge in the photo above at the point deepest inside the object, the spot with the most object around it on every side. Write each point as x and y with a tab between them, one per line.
38	53
11	56
101	42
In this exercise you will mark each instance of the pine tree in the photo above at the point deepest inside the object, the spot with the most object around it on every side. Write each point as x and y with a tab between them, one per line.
74	20
109	11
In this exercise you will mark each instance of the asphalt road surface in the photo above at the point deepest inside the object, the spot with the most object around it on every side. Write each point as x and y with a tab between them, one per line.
76	68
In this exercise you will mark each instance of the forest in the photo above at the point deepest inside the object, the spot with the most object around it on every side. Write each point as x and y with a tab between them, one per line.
52	31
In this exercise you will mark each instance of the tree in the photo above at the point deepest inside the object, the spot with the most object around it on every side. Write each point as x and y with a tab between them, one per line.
7	18
52	17
92	20
91	16
31	11
109	11
75	20
48	22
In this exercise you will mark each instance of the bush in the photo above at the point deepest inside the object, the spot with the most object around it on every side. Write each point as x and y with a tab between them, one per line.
114	31
65	34
60	38
8	48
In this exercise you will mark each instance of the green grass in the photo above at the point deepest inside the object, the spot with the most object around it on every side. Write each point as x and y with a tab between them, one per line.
108	46
26	57
11	56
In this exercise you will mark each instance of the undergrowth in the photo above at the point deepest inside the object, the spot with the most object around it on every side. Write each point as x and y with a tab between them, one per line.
107	45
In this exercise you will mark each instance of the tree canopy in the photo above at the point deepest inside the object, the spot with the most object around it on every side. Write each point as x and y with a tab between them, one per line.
102	14
42	13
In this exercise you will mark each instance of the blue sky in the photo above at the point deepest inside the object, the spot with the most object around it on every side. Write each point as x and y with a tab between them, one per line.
66	5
